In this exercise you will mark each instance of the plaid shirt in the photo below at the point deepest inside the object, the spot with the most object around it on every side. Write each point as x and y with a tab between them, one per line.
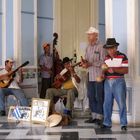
95	55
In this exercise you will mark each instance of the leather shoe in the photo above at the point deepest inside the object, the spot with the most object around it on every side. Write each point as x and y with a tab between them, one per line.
2	113
124	128
105	127
90	120
99	122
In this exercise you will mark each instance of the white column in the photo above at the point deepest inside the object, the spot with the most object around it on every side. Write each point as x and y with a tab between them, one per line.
57	22
133	53
35	33
131	36
108	18
3	31
17	30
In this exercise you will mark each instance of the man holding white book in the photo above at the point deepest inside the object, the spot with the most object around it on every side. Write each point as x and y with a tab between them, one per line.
114	85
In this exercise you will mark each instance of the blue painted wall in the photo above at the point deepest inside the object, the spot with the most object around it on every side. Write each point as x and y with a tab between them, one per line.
120	23
101	22
0	32
9	29
45	22
27	31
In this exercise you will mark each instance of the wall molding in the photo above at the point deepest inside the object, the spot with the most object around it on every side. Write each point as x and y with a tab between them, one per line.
3	31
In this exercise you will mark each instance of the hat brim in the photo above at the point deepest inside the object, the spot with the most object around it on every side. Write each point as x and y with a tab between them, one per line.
53	120
92	32
110	46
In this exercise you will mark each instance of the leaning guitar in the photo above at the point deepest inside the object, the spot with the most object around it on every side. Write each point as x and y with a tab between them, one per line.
6	83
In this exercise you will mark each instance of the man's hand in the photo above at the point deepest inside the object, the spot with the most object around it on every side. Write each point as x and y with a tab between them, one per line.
71	69
110	70
104	67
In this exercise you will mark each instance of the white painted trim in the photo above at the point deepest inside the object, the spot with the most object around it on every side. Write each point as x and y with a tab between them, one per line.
137	36
3	31
57	22
35	34
108	18
35	44
131	37
17	30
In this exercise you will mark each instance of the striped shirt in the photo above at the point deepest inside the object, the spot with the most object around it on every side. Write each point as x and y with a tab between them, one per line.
119	61
95	55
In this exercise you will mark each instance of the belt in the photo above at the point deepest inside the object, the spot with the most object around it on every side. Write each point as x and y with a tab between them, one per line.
111	78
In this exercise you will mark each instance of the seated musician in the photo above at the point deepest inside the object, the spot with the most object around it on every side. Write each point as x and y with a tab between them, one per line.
9	86
63	85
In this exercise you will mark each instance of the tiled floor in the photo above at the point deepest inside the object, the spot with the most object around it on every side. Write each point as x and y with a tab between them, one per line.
77	130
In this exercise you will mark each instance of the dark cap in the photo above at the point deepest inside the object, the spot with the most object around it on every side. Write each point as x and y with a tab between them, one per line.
66	59
111	42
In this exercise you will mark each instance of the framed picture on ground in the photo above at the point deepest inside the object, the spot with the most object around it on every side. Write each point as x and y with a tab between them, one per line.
20	113
39	110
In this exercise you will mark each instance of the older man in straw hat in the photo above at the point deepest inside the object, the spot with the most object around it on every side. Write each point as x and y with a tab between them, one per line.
94	58
115	86
46	63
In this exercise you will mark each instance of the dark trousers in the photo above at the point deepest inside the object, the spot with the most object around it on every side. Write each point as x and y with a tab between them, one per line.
96	96
46	83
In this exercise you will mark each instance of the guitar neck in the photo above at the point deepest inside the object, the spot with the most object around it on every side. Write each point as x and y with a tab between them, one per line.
16	70
24	64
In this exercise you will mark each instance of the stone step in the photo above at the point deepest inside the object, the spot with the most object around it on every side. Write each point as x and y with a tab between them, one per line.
79	113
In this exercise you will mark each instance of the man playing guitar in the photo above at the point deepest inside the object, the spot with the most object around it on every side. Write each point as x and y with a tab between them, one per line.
12	87
66	76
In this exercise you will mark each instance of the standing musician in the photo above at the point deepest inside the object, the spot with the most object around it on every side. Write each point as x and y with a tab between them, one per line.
94	58
65	86
13	87
46	63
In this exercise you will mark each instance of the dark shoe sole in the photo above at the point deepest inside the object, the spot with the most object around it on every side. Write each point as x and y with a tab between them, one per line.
90	121
124	128
105	127
2	113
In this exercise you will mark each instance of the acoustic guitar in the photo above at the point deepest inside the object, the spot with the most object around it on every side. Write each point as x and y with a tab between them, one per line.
6	83
62	77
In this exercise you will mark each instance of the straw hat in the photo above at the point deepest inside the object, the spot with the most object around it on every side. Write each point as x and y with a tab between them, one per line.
9	60
92	30
53	120
45	44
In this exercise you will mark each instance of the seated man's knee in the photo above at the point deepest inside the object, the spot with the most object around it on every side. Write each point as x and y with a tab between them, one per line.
49	93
